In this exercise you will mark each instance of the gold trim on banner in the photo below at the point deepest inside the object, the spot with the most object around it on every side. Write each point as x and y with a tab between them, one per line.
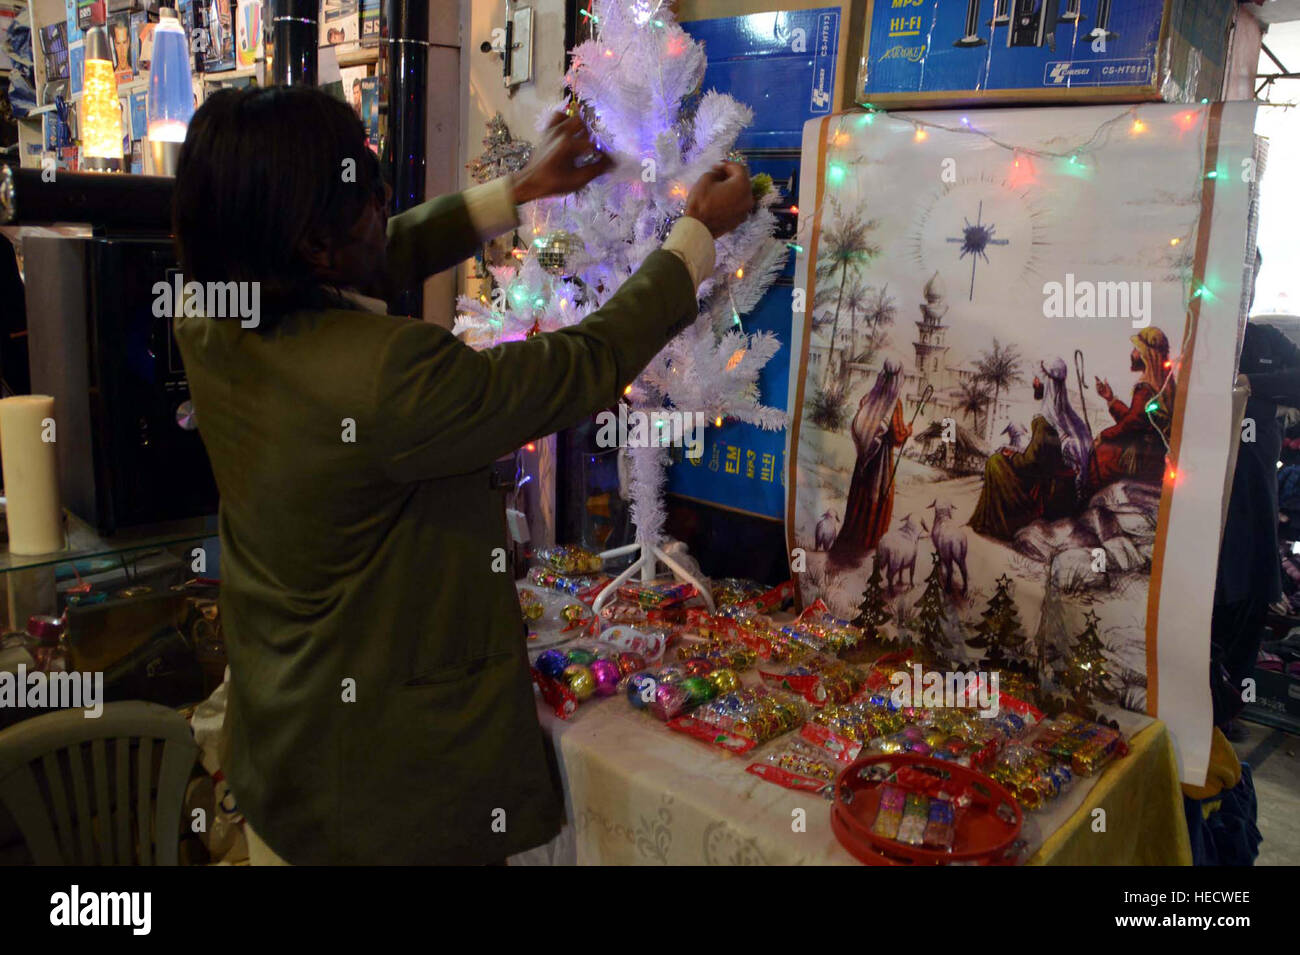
1180	403
796	412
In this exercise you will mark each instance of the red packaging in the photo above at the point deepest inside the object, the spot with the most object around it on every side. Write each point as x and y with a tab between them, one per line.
559	696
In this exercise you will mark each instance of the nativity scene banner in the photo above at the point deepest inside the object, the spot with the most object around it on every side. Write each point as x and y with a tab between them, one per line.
1015	341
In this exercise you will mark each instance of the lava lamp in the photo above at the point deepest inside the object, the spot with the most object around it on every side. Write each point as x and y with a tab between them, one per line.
171	93
101	113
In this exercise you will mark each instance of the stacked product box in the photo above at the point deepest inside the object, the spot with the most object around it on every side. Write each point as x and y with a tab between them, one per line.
928	53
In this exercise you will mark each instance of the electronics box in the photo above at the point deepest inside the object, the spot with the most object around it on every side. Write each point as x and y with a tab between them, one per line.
922	53
129	451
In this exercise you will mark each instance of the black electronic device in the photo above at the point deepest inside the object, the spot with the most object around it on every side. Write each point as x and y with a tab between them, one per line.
1034	22
101	343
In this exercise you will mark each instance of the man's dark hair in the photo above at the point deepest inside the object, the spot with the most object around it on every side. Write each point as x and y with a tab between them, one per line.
261	171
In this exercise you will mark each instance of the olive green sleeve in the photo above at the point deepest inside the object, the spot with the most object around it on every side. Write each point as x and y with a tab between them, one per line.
433	236
443	408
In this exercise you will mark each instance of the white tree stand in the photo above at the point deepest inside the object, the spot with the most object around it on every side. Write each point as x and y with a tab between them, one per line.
647	563
640	478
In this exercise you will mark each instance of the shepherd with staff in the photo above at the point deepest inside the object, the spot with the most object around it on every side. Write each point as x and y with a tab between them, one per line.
879	432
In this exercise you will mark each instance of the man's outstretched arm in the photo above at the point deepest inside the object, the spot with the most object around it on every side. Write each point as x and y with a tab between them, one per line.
437	234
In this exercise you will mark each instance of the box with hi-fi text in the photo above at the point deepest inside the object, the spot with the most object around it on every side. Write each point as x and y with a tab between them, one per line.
952	53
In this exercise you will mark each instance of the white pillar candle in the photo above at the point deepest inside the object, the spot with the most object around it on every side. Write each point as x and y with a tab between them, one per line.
31	475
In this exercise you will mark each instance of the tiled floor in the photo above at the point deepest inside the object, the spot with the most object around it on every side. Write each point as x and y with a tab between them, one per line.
1274	758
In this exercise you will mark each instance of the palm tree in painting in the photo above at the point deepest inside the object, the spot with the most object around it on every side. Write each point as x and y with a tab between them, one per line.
971	398
1001	368
845	247
880	311
855	301
875	341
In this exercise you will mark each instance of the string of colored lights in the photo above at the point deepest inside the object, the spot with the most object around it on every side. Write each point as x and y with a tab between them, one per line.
867	116
836	174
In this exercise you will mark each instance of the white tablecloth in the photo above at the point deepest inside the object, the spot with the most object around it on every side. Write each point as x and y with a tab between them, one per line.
637	793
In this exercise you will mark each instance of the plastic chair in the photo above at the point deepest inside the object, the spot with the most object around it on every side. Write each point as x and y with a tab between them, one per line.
105	791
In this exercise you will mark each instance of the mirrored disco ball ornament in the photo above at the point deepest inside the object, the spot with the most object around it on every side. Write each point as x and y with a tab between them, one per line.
553	250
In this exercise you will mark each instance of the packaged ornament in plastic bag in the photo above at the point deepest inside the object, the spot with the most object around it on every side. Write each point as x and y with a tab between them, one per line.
819	679
916	818
574	674
553	617
730	591
586	587
669	691
529	606
889	814
649	642
818	629
569	559
940	826
799	765
1032	777
746	625
717	655
744	718
863	720
657	594
1085	745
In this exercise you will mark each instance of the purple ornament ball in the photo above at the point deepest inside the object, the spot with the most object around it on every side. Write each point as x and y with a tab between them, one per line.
670	700
606	675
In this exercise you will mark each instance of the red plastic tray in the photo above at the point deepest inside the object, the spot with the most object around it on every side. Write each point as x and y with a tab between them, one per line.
984	831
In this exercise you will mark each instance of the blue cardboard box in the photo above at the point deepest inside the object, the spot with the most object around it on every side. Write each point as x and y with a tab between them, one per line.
742	468
786	66
772	34
783	65
960	52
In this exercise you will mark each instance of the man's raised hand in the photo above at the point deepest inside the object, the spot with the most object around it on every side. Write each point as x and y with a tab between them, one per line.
722	198
554	169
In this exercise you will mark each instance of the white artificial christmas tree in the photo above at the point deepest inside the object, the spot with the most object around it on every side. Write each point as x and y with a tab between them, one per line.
634	82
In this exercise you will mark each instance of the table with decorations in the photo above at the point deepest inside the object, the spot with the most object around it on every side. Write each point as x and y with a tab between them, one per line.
750	732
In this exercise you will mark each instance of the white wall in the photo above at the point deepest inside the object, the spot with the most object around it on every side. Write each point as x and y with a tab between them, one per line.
481	73
1278	288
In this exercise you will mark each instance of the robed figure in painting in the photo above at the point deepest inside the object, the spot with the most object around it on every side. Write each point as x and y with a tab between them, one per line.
878	433
1045	479
1132	448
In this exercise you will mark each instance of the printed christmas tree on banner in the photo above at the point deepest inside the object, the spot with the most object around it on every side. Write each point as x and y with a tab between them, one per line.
635	83
999	632
872	614
1085	673
932	618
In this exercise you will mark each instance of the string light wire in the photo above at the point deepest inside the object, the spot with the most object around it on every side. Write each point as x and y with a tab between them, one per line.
1098	139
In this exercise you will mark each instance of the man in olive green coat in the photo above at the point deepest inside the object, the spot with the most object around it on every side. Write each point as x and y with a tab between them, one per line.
380	705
